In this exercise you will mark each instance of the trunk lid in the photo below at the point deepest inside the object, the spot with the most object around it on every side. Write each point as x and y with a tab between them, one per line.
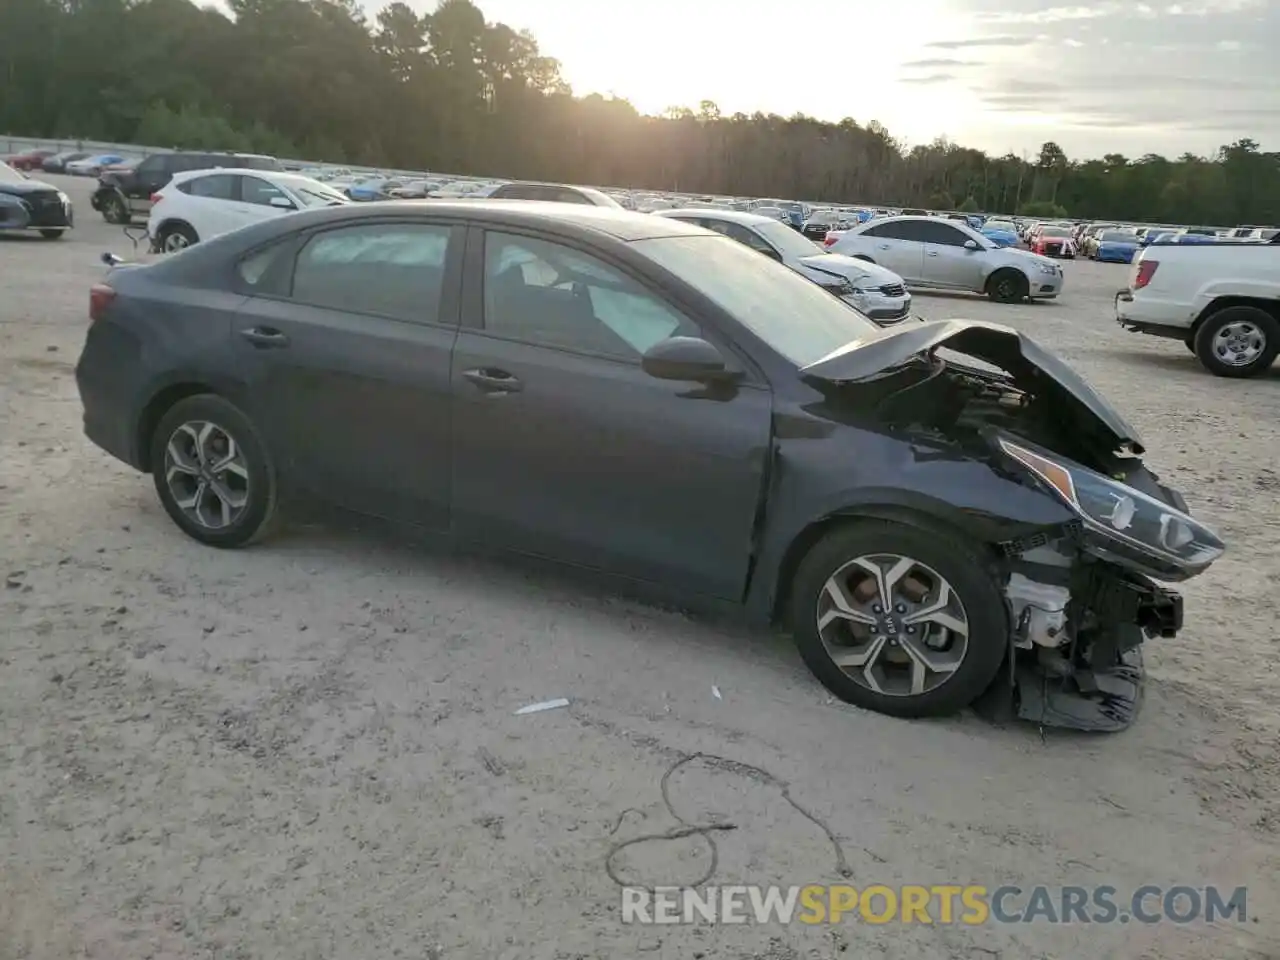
1032	368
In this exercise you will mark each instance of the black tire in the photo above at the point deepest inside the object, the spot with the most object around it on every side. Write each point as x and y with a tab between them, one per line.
1254	318
176	236
115	211
52	234
961	564
257	517
1008	285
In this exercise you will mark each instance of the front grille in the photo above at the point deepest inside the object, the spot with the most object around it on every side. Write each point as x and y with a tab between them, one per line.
1052	248
894	290
46	209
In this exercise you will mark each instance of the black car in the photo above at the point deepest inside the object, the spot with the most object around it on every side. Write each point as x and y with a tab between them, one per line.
126	193
27	204
654	401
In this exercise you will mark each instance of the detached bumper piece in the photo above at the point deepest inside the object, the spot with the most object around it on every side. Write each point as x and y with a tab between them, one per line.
1097	684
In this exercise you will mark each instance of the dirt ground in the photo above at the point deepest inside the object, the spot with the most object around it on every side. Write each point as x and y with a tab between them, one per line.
308	749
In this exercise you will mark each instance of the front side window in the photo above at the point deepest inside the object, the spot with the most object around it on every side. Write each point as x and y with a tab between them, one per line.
259	191
391	270
935	231
216	186
554	296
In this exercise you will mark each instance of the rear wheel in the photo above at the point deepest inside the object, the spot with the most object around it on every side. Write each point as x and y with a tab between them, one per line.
212	472
1238	341
114	210
898	619
51	234
1008	286
174	237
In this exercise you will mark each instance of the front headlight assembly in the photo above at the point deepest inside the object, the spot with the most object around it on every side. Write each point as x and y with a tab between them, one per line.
1125	520
1047	268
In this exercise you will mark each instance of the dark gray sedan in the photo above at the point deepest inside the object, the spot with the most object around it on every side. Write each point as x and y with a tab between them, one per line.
656	402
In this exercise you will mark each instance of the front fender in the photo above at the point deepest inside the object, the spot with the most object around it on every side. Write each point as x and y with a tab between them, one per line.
14	214
935	486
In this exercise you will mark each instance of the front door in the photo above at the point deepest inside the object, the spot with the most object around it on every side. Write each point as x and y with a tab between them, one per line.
947	262
565	448
347	348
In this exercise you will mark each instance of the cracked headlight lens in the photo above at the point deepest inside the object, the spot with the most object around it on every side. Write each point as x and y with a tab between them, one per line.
1119	512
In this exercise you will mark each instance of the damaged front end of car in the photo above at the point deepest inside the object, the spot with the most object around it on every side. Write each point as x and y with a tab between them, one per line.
1082	597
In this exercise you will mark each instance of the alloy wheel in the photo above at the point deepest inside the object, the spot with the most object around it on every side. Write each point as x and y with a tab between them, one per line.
206	474
893	624
175	241
1239	343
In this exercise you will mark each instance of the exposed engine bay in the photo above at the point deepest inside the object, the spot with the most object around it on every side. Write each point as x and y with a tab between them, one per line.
1078	614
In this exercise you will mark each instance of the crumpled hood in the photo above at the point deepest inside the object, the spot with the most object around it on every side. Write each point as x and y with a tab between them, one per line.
1032	367
851	268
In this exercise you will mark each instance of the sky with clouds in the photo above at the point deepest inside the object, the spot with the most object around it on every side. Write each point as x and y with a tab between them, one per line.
1096	76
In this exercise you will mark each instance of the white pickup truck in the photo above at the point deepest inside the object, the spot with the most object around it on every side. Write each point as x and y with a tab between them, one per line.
1221	300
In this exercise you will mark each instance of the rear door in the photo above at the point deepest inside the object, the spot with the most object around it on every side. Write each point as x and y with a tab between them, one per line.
347	336
898	245
210	204
565	448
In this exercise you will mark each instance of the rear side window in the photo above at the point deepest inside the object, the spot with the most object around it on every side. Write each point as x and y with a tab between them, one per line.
901	230
215	186
391	270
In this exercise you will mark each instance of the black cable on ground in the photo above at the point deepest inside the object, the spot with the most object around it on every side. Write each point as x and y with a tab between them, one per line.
705	831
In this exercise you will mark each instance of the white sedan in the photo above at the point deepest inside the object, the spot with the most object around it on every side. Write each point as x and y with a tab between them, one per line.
879	293
200	204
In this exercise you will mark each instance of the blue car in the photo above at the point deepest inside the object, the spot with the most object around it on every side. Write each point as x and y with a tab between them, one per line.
1002	233
1116	246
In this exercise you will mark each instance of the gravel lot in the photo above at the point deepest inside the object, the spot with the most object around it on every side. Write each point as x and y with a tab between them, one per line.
307	749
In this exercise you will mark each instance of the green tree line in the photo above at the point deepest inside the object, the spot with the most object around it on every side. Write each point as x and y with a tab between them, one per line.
452	92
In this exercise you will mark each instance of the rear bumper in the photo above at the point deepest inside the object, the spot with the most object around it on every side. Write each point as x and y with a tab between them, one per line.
1156	319
105	374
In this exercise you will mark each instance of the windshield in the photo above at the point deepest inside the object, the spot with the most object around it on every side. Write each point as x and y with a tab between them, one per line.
794	316
786	241
1000	225
1054	232
316	194
1117	236
9	175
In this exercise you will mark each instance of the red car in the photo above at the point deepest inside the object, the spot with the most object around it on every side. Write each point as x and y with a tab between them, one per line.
28	159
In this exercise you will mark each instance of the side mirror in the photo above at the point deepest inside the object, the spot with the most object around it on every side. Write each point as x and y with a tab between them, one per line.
972	245
284	203
684	358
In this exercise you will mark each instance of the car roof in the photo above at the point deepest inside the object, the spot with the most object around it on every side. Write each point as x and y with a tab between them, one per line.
715	213
567	219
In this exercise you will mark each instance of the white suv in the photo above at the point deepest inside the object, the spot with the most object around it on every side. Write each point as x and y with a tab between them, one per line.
200	204
949	255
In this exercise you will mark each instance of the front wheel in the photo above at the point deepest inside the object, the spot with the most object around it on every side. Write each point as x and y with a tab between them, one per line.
115	211
51	234
897	619
1238	342
1008	286
212	472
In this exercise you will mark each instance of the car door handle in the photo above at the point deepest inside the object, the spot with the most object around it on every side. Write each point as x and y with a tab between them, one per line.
494	381
932	253
265	337
883	246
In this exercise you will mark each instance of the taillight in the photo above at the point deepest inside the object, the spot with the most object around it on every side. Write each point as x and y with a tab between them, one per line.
100	297
1146	270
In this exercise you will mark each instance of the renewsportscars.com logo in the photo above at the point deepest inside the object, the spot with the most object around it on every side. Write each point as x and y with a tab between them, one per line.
943	904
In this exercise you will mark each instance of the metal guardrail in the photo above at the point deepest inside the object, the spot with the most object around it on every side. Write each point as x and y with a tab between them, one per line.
11	144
